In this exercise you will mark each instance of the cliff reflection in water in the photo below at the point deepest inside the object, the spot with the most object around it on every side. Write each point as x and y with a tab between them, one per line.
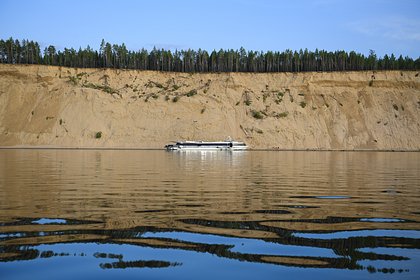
351	211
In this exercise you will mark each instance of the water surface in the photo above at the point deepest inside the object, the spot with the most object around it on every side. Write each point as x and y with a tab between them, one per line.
83	214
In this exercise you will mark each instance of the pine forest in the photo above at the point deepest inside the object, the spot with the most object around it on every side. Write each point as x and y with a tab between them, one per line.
119	57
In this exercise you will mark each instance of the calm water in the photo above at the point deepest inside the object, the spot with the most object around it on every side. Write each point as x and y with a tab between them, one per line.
68	214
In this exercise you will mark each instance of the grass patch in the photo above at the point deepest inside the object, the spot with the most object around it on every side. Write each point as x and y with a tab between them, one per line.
73	80
265	95
191	93
247	98
103	88
282	115
257	114
158	85
76	79
151	84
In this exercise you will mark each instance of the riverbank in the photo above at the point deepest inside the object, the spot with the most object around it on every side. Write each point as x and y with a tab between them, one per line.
57	107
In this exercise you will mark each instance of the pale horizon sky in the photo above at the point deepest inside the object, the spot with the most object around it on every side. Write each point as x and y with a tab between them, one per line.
386	26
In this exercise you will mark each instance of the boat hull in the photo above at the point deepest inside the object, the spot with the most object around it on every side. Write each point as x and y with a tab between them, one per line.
206	149
207	146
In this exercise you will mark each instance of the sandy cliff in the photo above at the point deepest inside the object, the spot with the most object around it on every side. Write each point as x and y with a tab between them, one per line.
67	107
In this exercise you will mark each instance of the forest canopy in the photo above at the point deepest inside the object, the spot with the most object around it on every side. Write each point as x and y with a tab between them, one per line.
119	57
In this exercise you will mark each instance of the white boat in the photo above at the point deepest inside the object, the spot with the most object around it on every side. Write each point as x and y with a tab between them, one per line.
229	145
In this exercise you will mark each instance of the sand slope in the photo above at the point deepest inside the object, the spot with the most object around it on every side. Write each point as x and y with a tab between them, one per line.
66	107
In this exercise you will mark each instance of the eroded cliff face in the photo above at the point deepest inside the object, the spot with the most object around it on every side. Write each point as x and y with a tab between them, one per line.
67	107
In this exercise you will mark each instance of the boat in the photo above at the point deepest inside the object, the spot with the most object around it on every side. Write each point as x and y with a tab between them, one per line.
228	145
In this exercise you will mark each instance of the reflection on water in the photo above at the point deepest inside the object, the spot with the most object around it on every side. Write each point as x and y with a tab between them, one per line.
85	214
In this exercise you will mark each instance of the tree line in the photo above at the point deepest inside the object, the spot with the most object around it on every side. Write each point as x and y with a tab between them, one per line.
119	57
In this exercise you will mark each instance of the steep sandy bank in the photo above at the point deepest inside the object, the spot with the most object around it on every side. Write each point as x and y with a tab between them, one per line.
66	107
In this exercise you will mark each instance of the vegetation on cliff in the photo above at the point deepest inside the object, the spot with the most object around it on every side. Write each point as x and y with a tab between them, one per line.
73	107
119	57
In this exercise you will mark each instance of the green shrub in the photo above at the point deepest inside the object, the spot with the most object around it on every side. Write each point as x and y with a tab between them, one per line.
158	85
104	88
73	80
191	93
283	115
175	99
265	95
371	83
257	114
98	135
302	104
151	84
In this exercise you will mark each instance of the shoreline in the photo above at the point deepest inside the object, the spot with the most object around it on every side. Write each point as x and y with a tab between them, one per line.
163	149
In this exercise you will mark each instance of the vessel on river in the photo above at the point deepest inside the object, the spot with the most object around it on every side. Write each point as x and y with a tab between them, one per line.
229	145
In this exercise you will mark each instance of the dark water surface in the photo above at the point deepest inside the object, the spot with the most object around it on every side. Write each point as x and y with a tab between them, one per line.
74	214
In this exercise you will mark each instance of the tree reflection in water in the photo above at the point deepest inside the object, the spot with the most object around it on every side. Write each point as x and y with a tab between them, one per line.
18	246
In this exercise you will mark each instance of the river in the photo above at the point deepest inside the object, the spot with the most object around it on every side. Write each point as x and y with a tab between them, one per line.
149	214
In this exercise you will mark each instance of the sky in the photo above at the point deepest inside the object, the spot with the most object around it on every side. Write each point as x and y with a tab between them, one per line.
385	26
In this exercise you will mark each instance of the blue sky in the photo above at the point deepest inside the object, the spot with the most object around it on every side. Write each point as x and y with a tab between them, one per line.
386	26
